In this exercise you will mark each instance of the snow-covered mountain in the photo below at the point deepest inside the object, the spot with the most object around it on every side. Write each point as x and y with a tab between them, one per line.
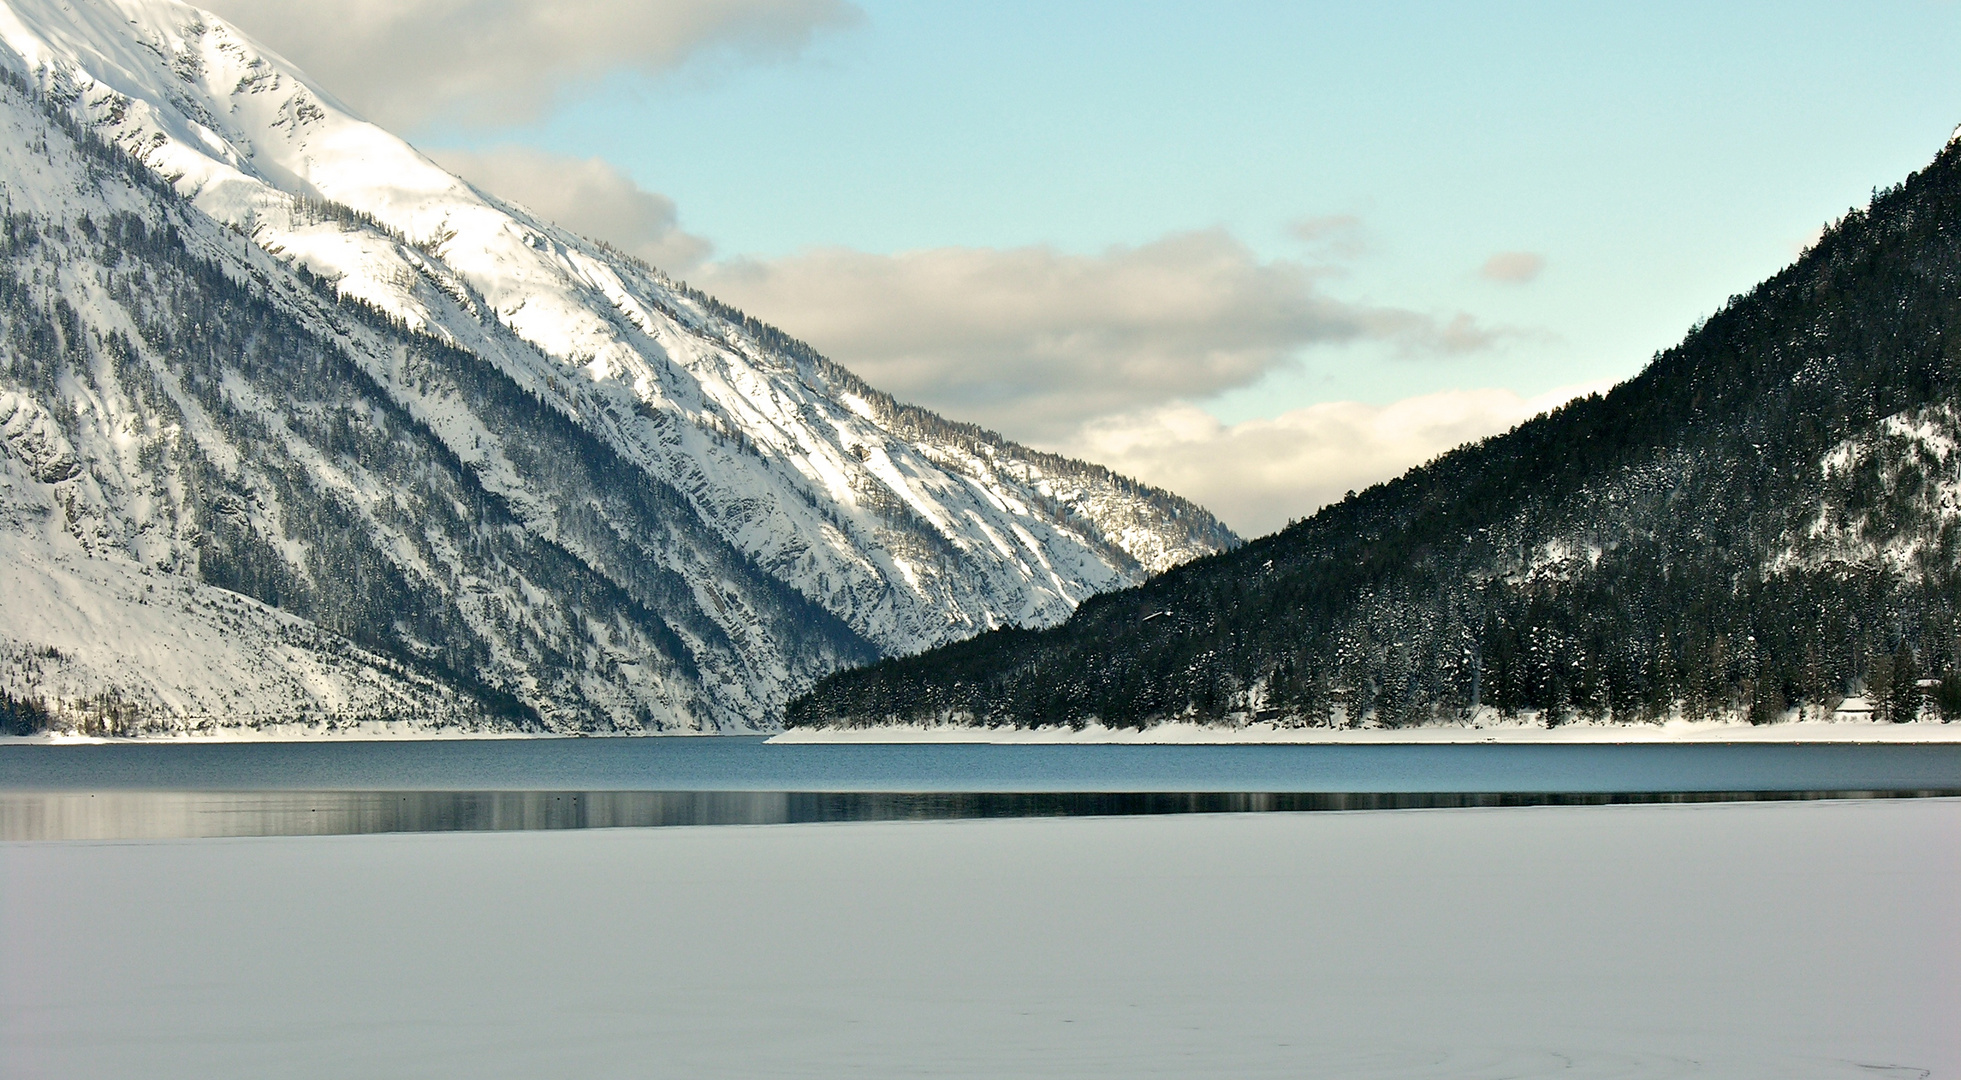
300	428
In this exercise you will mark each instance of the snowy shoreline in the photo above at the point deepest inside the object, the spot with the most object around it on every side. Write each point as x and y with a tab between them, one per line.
354	733
1675	731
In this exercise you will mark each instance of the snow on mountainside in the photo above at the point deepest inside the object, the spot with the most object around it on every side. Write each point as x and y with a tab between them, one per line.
395	449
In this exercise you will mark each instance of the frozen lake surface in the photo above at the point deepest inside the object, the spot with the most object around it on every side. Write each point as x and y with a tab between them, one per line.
1786	940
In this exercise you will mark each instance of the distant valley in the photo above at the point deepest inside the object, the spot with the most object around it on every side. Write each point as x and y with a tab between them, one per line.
302	435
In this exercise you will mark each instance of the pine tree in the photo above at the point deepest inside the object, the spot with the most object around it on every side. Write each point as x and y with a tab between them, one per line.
1904	698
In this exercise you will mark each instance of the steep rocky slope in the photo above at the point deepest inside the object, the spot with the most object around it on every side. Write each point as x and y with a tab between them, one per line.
392	450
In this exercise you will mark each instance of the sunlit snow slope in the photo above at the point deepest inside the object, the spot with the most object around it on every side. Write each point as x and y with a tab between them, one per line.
458	464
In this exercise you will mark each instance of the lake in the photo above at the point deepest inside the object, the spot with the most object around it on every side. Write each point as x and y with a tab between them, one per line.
166	789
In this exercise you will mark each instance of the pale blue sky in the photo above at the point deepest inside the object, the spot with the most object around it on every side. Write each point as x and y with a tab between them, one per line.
1659	156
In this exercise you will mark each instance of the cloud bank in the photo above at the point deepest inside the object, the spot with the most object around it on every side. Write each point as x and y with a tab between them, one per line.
1260	474
1331	237
1033	341
406	62
1513	267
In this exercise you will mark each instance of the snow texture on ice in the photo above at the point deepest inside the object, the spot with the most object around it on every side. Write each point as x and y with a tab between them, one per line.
1743	942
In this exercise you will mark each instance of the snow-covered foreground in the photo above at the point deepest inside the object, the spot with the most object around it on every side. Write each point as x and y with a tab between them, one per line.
1677	731
1785	941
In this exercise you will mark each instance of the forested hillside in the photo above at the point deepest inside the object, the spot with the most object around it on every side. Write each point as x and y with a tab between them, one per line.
1763	520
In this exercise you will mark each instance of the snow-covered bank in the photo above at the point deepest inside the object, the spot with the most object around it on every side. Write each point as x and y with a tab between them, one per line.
381	731
1742	942
356	731
1675	731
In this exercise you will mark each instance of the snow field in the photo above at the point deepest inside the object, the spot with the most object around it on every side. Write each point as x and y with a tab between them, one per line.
1789	941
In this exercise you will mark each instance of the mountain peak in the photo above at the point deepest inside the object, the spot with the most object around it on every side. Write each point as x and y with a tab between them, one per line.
765	488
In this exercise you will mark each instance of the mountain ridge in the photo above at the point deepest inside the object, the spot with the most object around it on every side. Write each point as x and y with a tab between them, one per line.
728	484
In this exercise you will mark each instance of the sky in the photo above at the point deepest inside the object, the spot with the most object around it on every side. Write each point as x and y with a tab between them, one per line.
1258	253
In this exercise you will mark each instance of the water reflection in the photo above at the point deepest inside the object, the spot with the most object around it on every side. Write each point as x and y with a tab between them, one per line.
123	815
738	763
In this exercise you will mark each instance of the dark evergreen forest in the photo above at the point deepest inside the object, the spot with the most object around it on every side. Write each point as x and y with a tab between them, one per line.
1738	530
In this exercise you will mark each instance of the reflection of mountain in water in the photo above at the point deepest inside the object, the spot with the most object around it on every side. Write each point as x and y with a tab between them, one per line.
122	815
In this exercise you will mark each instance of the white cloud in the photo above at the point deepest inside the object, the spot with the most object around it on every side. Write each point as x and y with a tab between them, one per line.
403	62
1513	267
1259	474
1331	237
1033	341
587	195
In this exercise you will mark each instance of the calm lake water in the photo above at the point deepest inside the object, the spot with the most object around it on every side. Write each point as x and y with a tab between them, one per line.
224	789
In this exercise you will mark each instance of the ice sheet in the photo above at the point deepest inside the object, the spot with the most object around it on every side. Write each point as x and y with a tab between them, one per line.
1735	941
